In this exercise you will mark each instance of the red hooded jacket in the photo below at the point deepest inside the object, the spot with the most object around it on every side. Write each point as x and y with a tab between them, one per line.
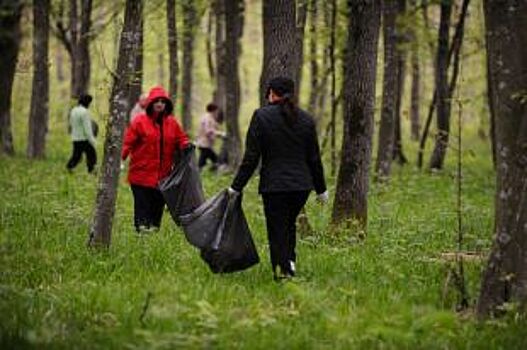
151	141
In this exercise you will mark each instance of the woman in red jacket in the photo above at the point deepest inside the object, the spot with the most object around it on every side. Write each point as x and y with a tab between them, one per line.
151	140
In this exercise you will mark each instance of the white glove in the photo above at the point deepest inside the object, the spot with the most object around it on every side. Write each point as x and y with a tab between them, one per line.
231	191
323	198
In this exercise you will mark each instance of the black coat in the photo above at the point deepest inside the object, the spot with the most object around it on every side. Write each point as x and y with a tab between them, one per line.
290	155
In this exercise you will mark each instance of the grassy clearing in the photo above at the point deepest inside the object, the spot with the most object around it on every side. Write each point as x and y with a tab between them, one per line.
384	292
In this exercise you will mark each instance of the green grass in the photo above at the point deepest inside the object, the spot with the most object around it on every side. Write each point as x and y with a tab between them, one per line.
384	292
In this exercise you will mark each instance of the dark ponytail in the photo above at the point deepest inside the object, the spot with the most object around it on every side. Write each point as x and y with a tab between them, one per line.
285	88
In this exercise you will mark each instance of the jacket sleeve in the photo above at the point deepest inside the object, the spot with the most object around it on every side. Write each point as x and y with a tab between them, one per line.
88	131
131	137
315	162
251	156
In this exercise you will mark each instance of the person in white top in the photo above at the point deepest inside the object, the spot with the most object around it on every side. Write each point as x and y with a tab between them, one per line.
207	133
139	107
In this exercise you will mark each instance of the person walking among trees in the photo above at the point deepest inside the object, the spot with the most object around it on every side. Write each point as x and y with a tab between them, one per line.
284	138
152	140
207	133
82	135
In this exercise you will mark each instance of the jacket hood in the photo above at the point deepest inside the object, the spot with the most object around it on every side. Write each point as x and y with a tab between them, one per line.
155	93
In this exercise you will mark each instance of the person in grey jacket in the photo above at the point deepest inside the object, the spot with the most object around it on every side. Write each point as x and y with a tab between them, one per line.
284	138
82	135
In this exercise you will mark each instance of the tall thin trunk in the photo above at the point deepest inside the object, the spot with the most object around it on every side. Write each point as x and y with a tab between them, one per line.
301	15
161	76
173	64
82	60
279	30
415	94
10	37
137	83
332	67
208	42
101	228
221	64
398	153
351	194
189	26
389	92
505	277
313	58
233	28
39	112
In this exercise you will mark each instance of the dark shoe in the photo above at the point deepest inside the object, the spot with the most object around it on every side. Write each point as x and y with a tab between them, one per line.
281	275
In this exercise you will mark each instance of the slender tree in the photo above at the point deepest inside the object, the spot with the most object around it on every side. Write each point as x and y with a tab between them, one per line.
221	63
173	64
39	112
10	36
101	228
189	28
301	17
505	278
389	91
208	41
351	203
313	56
233	27
279	30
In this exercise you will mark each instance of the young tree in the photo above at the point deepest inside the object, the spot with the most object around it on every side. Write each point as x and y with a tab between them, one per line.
301	16
10	36
233	27
173	64
101	228
221	64
505	278
389	91
313	56
351	194
279	31
39	112
190	22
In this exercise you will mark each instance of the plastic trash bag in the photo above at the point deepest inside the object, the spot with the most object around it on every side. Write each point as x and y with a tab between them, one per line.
219	228
182	188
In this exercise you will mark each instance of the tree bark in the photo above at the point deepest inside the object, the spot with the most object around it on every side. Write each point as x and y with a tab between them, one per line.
389	92
10	37
208	42
279	30
221	77
173	64
332	93
189	27
505	277
137	83
415	94
101	228
39	111
301	15
233	28
398	153
351	194
313	58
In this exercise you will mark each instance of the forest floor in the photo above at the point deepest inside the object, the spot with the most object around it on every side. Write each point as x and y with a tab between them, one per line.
387	291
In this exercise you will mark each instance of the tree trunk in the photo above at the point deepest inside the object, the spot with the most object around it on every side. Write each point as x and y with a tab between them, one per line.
505	278
101	229
415	124
137	83
160	62
389	92
333	97
279	30
398	153
221	77
441	82
313	58
351	194
233	30
208	42
173	64
301	15
10	36
189	26
39	112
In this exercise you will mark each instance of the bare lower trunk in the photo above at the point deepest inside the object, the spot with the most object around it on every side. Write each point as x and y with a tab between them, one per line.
173	64
221	64
301	15
189	26
9	48
39	112
101	228
279	30
415	95
505	278
351	203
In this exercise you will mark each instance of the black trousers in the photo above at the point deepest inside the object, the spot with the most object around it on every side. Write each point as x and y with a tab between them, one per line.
148	207
204	155
80	147
281	210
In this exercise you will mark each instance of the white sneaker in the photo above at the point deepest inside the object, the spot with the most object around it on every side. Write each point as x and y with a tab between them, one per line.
292	265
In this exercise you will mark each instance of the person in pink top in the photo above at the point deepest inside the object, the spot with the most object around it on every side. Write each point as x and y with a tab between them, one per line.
207	133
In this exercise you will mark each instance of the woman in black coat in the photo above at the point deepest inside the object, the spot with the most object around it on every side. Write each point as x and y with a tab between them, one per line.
284	138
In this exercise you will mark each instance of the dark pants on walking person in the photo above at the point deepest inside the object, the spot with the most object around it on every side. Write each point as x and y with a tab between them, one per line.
148	207
204	155
281	210
80	147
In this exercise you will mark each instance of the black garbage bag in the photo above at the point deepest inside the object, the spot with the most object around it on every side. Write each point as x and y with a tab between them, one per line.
182	188
219	228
